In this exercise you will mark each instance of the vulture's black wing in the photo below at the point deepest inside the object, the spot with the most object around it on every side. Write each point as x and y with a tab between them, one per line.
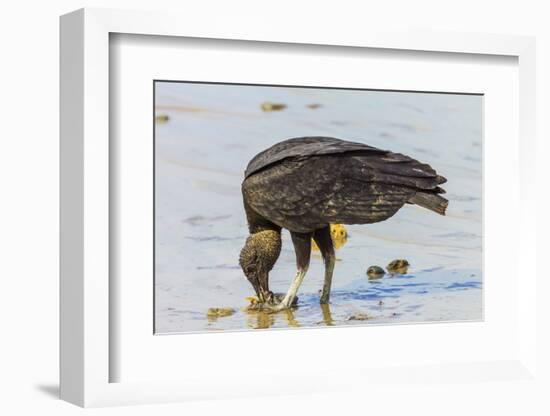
303	147
363	185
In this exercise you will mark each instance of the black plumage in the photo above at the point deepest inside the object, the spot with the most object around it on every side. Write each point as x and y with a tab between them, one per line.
304	184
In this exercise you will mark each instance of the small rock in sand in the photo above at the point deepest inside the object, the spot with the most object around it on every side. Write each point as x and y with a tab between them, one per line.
399	266
359	317
375	272
162	118
267	106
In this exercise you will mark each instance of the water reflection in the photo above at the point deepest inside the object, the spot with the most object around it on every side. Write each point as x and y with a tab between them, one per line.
258	319
327	316
291	321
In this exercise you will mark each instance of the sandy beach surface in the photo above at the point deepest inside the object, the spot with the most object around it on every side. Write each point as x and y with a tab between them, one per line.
202	149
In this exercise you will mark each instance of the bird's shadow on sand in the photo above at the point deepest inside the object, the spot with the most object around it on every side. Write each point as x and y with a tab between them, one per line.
51	390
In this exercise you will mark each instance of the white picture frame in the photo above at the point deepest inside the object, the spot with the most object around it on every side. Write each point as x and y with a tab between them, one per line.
85	222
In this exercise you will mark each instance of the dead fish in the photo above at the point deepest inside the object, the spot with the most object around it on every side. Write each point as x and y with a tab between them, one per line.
267	106
399	266
162	118
375	272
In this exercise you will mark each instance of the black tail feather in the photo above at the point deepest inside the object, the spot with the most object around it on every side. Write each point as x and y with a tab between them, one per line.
431	201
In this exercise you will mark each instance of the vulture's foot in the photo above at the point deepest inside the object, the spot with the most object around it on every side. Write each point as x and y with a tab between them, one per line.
274	308
279	302
273	303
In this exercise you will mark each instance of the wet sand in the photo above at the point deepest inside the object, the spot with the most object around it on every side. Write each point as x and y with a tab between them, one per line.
201	153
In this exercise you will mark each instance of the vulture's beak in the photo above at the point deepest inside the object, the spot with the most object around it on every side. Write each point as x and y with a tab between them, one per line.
256	285
262	288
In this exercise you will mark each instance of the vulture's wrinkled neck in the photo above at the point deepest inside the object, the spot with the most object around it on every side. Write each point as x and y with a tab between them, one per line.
266	244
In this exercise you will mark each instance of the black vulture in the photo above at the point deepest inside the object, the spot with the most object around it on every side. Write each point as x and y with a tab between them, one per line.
304	184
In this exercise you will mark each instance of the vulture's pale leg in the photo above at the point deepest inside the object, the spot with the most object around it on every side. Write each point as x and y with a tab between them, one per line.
324	242
302	247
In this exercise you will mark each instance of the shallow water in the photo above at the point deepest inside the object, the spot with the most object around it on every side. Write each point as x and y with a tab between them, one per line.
202	151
